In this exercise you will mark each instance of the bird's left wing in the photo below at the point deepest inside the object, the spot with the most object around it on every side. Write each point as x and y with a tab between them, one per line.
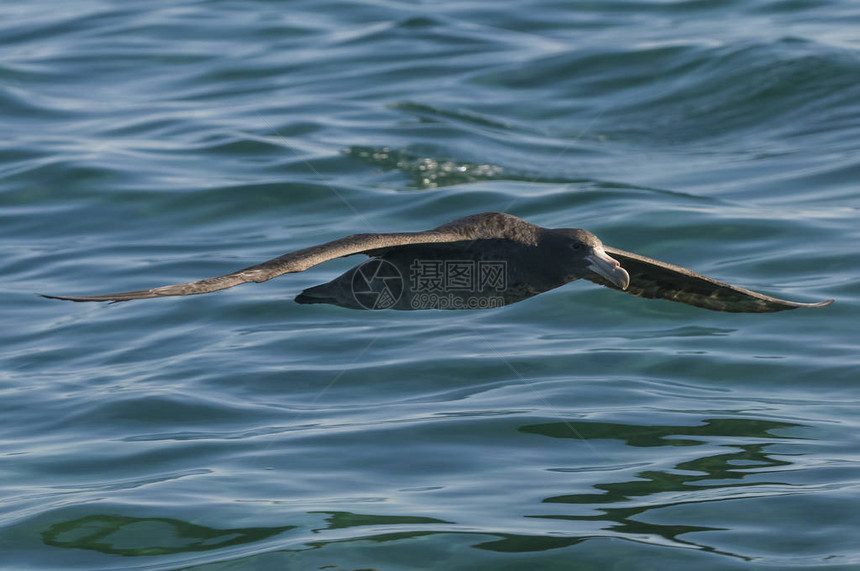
654	279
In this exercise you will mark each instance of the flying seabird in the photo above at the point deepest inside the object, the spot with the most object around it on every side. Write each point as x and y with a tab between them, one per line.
476	262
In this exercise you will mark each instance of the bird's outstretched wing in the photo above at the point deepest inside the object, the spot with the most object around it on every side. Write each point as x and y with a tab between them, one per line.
651	278
475	227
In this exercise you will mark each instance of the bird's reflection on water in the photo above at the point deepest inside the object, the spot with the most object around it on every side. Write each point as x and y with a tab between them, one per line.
620	505
724	472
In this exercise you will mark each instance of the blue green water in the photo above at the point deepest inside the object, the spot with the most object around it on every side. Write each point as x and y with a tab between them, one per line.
153	143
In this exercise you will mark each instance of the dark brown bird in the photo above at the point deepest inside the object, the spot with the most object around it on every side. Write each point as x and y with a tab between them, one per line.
477	262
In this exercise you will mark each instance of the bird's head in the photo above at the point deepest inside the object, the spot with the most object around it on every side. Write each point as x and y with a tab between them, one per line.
582	253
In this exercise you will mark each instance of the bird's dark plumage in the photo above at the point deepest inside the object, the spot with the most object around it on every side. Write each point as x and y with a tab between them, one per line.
533	259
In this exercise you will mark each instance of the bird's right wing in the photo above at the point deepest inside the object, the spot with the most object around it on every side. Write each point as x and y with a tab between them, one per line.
475	227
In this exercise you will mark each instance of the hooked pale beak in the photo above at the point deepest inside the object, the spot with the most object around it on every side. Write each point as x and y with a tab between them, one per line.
602	264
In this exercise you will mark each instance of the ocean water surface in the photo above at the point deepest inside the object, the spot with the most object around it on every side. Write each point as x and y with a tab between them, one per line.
149	144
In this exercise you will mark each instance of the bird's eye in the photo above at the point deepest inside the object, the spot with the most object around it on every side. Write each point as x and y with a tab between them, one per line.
576	246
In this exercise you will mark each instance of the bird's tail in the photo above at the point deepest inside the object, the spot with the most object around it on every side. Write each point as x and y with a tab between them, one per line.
323	293
314	295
